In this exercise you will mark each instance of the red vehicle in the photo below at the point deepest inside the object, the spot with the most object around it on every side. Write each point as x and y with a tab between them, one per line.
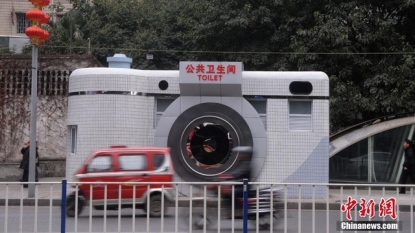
127	165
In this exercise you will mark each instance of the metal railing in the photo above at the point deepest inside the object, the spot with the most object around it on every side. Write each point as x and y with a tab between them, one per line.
268	207
377	120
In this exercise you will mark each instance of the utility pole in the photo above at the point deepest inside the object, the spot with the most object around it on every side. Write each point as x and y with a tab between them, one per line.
37	36
33	120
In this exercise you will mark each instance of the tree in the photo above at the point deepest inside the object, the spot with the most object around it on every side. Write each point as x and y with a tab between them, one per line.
364	83
349	40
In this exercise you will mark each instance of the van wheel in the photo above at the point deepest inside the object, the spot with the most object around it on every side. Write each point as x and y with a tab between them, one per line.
155	206
70	206
265	222
99	207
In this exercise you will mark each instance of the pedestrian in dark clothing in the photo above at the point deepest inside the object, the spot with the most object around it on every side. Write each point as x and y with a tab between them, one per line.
24	164
408	164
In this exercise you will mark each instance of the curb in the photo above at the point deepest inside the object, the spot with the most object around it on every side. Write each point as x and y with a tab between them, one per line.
290	205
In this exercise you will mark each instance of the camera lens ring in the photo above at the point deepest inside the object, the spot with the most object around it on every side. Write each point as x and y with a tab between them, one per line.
205	112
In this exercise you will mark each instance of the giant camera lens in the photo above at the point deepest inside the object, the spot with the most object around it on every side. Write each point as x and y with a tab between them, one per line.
202	138
209	145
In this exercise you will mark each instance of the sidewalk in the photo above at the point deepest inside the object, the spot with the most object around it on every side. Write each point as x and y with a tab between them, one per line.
49	192
49	189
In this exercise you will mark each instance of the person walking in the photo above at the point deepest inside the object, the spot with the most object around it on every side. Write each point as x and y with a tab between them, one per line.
408	165
24	164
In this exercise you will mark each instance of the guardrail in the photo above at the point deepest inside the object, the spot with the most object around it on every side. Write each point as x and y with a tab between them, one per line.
270	207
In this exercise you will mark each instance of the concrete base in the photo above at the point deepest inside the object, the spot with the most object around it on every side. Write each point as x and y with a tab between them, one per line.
48	168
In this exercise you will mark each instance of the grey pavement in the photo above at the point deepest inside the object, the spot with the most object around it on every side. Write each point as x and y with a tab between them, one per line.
48	192
49	220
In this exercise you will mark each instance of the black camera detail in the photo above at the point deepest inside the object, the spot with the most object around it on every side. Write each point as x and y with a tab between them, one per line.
301	88
163	85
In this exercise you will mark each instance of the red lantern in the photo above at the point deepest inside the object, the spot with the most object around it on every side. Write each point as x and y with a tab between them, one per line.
34	32
35	15
45	36
44	3
40	3
38	17
45	19
36	2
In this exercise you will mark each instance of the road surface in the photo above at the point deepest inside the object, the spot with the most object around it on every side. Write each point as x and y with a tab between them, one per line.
110	222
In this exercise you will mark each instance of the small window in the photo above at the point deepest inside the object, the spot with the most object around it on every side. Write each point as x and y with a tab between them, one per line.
22	22
161	105
300	107
300	115
158	160
100	164
261	107
133	162
73	131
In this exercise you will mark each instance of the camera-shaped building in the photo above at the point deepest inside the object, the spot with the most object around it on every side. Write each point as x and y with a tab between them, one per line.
201	112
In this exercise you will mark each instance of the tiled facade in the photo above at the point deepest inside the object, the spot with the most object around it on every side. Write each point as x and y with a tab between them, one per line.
106	119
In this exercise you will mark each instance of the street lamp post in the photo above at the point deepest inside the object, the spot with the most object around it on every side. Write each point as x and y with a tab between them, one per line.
37	36
33	119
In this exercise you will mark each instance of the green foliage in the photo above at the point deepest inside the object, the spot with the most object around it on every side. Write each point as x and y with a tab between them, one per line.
365	84
364	46
7	51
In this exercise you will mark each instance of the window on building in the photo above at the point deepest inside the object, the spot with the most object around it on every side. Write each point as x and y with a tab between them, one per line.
22	22
133	162
161	106
260	106
100	164
300	115
73	131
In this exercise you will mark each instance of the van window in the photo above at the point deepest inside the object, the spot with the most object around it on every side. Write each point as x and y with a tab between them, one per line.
133	162
100	164
158	160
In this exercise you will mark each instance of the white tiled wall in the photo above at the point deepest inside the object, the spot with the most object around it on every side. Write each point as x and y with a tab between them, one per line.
105	120
297	157
277	83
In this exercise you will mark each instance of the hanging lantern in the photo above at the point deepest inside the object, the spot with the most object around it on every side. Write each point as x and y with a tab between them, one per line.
35	15
35	34
36	3
45	19
40	3
38	17
44	3
45	36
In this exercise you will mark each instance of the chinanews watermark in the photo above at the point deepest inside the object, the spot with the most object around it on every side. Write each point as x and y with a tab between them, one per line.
386	210
369	226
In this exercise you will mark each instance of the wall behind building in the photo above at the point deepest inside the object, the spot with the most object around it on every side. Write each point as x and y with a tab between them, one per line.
15	86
